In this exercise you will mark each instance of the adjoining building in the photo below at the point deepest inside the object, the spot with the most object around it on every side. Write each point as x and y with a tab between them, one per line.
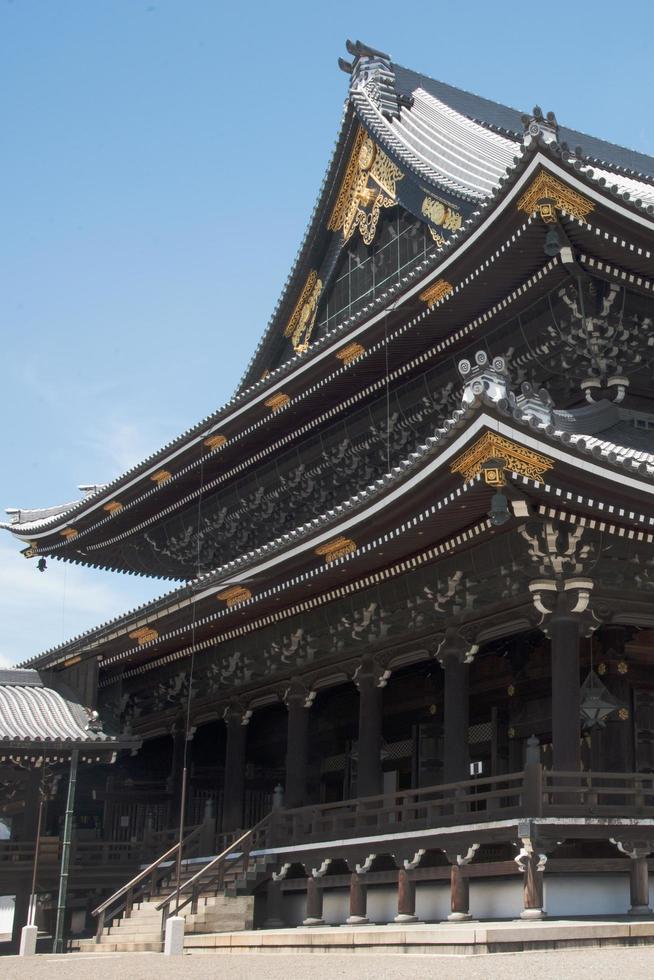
410	670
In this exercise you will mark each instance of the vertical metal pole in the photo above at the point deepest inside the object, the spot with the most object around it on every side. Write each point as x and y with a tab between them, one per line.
32	907
58	946
182	809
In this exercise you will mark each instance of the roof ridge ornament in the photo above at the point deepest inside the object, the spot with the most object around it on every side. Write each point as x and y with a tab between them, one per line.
371	72
483	379
537	125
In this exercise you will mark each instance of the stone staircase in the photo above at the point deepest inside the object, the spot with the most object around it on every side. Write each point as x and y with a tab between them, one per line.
232	911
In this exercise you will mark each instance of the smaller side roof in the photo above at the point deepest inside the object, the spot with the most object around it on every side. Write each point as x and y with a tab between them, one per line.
33	714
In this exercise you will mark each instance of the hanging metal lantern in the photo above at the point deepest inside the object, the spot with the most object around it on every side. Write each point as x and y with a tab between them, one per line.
597	703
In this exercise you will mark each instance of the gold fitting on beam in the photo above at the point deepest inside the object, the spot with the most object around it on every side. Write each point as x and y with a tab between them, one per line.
69	532
144	635
275	402
499	452
338	548
30	551
72	661
214	442
547	192
161	476
113	506
234	595
437	291
350	352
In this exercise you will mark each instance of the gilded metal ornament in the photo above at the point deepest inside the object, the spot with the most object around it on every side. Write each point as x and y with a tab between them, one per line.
335	549
546	192
368	186
493	447
214	442
437	291
350	352
161	476
442	215
275	402
143	635
303	317
113	506
69	532
234	595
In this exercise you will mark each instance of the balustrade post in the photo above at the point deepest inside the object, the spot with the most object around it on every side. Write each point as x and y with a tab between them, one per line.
358	901
314	903
406	898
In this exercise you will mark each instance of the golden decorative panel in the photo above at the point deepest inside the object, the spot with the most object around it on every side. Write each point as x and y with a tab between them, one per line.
68	533
303	317
113	506
277	401
144	635
161	476
436	291
493	448
368	186
30	551
234	595
214	442
546	192
335	549
442	215
350	352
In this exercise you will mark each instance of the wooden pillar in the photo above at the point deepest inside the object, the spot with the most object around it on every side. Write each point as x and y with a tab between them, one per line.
369	765
234	788
639	885
460	894
455	746
358	902
566	725
406	898
532	886
296	746
314	904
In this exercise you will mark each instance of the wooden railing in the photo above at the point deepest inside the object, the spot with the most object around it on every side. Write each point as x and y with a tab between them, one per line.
146	883
598	794
404	812
211	878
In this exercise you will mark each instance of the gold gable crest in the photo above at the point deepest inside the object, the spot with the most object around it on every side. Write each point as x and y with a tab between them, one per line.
368	186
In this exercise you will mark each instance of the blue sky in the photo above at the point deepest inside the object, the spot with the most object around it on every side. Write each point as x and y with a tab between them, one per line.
160	159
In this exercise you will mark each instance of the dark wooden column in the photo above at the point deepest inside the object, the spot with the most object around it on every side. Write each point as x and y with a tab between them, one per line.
297	745
406	897
358	901
532	887
456	759
273	918
637	851
369	765
234	788
566	726
314	904
616	739
459	894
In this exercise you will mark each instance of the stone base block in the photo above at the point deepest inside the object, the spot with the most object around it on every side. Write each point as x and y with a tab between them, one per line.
28	936
174	938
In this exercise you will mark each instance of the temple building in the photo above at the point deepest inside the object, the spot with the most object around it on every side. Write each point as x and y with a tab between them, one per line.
409	672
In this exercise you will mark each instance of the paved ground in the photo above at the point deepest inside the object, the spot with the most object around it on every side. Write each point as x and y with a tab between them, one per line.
598	964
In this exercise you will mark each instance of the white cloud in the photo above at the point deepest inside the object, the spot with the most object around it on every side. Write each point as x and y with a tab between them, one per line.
39	610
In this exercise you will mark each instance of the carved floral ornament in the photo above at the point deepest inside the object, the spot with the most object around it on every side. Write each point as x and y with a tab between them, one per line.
501	454
546	194
440	215
303	317
368	186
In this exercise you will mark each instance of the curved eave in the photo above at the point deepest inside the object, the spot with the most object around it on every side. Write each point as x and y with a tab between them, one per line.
288	567
295	374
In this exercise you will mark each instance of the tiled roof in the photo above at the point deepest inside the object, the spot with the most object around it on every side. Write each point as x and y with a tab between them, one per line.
32	712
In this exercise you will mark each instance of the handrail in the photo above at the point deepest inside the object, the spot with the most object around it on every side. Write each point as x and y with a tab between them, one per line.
126	891
205	872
